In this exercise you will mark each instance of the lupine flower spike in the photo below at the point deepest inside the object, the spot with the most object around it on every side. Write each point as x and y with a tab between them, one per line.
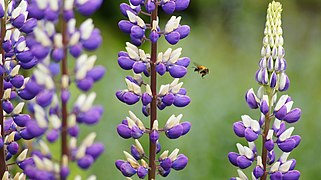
15	55
275	112
54	36
146	64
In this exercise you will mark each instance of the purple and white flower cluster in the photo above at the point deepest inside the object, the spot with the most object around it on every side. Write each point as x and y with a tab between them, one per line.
276	113
51	31
148	65
16	28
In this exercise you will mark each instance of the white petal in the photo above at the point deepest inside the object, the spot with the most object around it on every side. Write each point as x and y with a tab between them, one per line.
286	134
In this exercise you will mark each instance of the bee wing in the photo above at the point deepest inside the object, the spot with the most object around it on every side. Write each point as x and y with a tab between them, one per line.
196	64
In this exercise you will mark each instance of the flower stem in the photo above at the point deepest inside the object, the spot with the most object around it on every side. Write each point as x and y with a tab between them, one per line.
153	115
265	133
64	111
2	154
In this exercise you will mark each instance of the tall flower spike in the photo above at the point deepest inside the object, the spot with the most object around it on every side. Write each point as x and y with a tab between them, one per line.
15	55
55	36
149	64
275	112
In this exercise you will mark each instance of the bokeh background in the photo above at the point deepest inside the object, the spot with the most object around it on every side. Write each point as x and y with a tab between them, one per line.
226	37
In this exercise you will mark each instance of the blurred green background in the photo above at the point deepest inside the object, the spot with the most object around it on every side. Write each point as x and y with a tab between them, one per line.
226	37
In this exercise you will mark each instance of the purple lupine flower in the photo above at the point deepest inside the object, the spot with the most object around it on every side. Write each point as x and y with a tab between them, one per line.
275	112
47	46
149	64
16	55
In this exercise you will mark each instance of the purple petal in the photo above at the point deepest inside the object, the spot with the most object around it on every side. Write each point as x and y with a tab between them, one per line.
293	116
180	163
183	30
276	176
288	145
118	163
124	131
173	37
127	170
161	68
243	162
125	62
142	172
136	154
13	148
250	135
264	107
281	113
139	67
85	162
137	32
52	135
181	4
166	164
177	71
89	7
95	150
136	133
85	84
168	99
186	127
169	7
93	42
21	119
269	145
124	8
154	136
271	157
181	100
44	98
175	132
258	172
184	61
136	2
154	36
130	98
251	100
96	73
239	129
291	175
232	156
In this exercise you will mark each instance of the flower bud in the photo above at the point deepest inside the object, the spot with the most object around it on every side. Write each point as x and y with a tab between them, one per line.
166	163
13	148
181	100
175	132
95	150
183	31
180	162
52	135
124	131
169	7
243	162
88	7
85	162
172	37
142	172
181	4
127	170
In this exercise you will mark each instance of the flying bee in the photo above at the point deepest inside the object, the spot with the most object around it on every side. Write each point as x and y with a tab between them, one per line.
202	70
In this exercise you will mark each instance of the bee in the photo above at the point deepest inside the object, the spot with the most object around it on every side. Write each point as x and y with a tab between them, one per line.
202	70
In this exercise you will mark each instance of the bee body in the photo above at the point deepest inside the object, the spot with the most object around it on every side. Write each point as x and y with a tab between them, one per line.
202	70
